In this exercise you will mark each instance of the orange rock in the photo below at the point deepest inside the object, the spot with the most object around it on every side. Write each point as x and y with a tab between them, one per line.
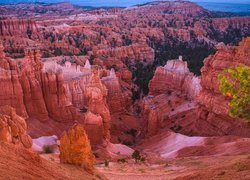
75	148
13	128
97	94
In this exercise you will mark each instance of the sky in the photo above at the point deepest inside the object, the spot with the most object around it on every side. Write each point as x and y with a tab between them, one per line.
117	2
225	1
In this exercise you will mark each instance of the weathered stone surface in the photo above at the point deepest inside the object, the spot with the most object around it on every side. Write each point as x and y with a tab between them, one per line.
206	113
13	128
14	27
214	106
115	97
75	148
175	76
97	94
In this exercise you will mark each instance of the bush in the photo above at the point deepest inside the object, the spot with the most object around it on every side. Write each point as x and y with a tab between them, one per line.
137	156
132	132
127	143
122	160
235	84
48	149
106	163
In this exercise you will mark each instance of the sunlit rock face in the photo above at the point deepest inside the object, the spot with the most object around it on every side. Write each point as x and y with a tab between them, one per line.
13	128
75	148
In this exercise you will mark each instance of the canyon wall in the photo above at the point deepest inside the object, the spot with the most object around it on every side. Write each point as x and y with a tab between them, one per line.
214	106
172	94
195	107
15	27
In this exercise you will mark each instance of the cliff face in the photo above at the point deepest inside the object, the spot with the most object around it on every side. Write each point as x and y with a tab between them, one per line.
53	94
214	106
14	27
97	94
115	98
133	52
195	107
172	90
35	93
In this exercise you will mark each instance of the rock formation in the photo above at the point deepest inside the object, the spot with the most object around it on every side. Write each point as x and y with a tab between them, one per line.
21	163
175	76
178	102
35	93
134	52
14	27
75	148
214	106
115	98
13	128
97	93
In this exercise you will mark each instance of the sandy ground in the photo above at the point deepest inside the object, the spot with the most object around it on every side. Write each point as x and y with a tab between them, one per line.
19	163
224	167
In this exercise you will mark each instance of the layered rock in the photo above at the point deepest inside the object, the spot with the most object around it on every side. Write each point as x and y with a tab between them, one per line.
214	106
115	98
171	91
75	148
13	27
12	92
37	93
93	125
13	128
97	94
205	111
134	52
175	76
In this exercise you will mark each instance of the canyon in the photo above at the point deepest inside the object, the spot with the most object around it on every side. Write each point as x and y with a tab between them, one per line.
91	86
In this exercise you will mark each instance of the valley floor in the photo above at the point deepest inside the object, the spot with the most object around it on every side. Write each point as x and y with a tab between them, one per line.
210	167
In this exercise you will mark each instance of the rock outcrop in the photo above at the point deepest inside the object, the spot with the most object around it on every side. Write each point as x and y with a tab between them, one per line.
214	106
14	27
34	92
171	92
21	163
115	97
135	52
181	104
75	148
175	76
97	104
13	128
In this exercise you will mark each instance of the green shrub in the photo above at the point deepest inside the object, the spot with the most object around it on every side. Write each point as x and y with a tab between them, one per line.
137	156
235	84
48	149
